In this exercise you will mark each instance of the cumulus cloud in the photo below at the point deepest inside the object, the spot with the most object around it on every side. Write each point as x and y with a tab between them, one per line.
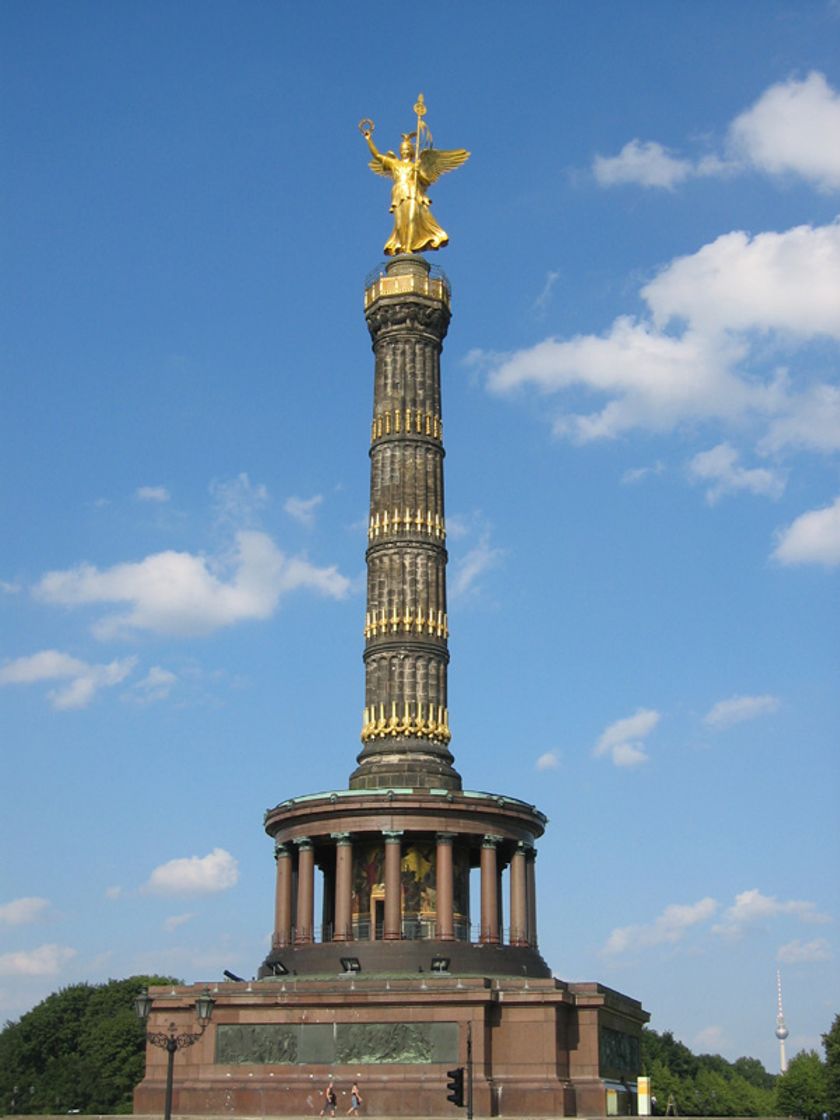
715	319
670	927
22	911
151	494
753	908
46	960
720	470
804	952
813	538
785	132
648	164
739	709
209	874
787	282
789	129
303	509
548	761
83	680
182	594
623	742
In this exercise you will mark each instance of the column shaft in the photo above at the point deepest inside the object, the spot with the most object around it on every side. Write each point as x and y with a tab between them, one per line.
343	887
518	899
304	933
445	882
489	893
393	907
531	886
283	896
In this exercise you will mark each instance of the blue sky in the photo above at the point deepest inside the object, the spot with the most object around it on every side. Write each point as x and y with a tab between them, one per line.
642	419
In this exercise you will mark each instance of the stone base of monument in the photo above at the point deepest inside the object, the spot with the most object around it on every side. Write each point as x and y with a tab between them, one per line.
536	1047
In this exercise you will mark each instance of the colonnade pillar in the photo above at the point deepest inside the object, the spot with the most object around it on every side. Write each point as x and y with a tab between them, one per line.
489	934
393	884
283	896
444	886
304	932
343	886
531	893
519	933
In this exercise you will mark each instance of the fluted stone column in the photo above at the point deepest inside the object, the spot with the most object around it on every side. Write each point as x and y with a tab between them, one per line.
343	886
306	891
393	884
283	896
518	898
405	726
489	891
531	889
445	887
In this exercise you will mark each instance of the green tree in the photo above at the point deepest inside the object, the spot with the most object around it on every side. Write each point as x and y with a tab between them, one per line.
81	1048
705	1084
831	1042
801	1091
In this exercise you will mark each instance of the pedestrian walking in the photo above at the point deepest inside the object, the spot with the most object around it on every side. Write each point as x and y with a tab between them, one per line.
330	1100
355	1100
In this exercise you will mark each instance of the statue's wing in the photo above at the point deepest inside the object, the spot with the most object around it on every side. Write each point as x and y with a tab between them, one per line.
434	162
379	166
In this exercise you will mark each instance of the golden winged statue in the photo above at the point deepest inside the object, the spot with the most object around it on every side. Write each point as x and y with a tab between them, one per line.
418	165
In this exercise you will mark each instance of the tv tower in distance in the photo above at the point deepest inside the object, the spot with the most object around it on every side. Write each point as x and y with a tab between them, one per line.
781	1030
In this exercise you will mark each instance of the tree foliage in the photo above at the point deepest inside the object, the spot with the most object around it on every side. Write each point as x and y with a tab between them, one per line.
82	1048
801	1090
705	1084
831	1042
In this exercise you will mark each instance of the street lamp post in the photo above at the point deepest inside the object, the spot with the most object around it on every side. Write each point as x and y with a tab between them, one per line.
170	1040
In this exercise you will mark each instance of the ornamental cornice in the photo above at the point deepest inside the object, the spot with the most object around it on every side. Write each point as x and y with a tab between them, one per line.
408	314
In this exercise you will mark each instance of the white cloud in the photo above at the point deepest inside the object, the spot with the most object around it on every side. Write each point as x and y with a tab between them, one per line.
792	129
788	130
46	960
752	907
710	1040
156	685
83	679
719	466
542	300
715	318
152	494
22	911
809	419
670	927
622	740
176	921
468	569
813	538
303	509
648	164
804	952
185	595
218	871
10	588
637	474
238	501
785	282
739	709
113	893
548	761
